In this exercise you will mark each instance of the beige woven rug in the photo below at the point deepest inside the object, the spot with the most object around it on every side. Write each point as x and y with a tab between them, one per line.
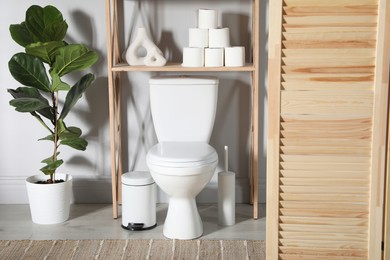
132	249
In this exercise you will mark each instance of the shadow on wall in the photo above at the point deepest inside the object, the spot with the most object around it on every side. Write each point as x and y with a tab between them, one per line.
136	119
80	17
168	46
101	192
239	30
96	116
232	124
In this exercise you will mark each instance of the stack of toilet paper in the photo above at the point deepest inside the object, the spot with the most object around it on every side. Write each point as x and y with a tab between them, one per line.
209	45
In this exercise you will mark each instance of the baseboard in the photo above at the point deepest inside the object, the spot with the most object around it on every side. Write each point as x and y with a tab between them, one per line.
85	190
98	190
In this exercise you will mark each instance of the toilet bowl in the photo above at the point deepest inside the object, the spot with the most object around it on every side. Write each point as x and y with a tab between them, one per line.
182	170
182	162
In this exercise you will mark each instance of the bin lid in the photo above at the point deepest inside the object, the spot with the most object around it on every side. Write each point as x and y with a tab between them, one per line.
137	178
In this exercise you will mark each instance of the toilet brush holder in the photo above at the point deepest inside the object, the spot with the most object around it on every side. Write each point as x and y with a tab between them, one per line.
226	195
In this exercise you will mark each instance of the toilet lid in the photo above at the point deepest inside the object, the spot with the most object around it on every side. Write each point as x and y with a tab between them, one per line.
182	154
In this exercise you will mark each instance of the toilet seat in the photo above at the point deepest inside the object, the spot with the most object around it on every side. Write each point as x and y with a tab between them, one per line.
182	155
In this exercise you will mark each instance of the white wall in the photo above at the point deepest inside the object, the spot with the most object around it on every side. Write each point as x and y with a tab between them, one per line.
168	22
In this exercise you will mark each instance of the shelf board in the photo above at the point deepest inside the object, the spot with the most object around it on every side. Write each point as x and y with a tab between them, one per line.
177	67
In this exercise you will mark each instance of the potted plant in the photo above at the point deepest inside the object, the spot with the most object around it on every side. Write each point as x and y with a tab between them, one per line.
46	59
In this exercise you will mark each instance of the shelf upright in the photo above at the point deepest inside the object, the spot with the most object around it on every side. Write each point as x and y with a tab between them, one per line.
254	174
115	67
113	57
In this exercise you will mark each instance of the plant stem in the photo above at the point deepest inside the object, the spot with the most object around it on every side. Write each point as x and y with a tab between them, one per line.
55	108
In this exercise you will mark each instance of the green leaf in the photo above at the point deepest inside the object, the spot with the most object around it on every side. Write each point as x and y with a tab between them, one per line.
75	93
25	104
47	138
70	136
76	143
47	112
70	133
45	24
29	71
57	84
73	57
45	51
51	167
49	159
61	127
33	93
27	92
20	34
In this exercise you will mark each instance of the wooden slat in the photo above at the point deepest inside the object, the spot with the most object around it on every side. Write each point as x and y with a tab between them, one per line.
352	70
318	189
317	252
311	257
320	142
323	156
331	10
324	221
323	235
329	36
321	117
333	3
294	86
320	65
334	20
327	77
315	150
344	213
328	44
352	125
331	135
323	244
361	174
323	182
324	166
323	102
328	52
324	197
324	205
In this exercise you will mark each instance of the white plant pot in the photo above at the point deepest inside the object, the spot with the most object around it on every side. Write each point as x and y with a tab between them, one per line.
49	203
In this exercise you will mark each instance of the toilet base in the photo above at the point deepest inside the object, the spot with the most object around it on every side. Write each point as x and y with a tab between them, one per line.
183	220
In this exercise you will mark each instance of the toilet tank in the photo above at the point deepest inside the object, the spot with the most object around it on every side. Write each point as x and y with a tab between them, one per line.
183	107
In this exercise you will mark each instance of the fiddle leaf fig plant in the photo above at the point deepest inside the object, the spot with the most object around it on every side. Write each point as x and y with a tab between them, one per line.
46	59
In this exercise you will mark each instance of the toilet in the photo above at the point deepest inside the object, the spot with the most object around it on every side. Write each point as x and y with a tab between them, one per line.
182	163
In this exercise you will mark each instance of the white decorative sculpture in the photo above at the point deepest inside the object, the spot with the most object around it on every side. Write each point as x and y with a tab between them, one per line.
154	56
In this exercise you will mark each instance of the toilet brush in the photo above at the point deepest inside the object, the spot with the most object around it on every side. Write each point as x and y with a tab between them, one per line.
226	195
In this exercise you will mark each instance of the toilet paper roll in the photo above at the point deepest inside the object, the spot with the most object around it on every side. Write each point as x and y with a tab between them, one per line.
207	18
219	38
198	37
213	57
226	198
235	56
193	57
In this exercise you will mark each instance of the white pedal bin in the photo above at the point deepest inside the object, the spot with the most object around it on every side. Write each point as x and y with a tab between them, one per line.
138	201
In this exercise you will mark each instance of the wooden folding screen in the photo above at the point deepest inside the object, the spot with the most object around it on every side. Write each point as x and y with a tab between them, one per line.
328	94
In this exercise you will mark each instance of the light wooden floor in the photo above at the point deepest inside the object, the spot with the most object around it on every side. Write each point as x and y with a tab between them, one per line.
94	221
